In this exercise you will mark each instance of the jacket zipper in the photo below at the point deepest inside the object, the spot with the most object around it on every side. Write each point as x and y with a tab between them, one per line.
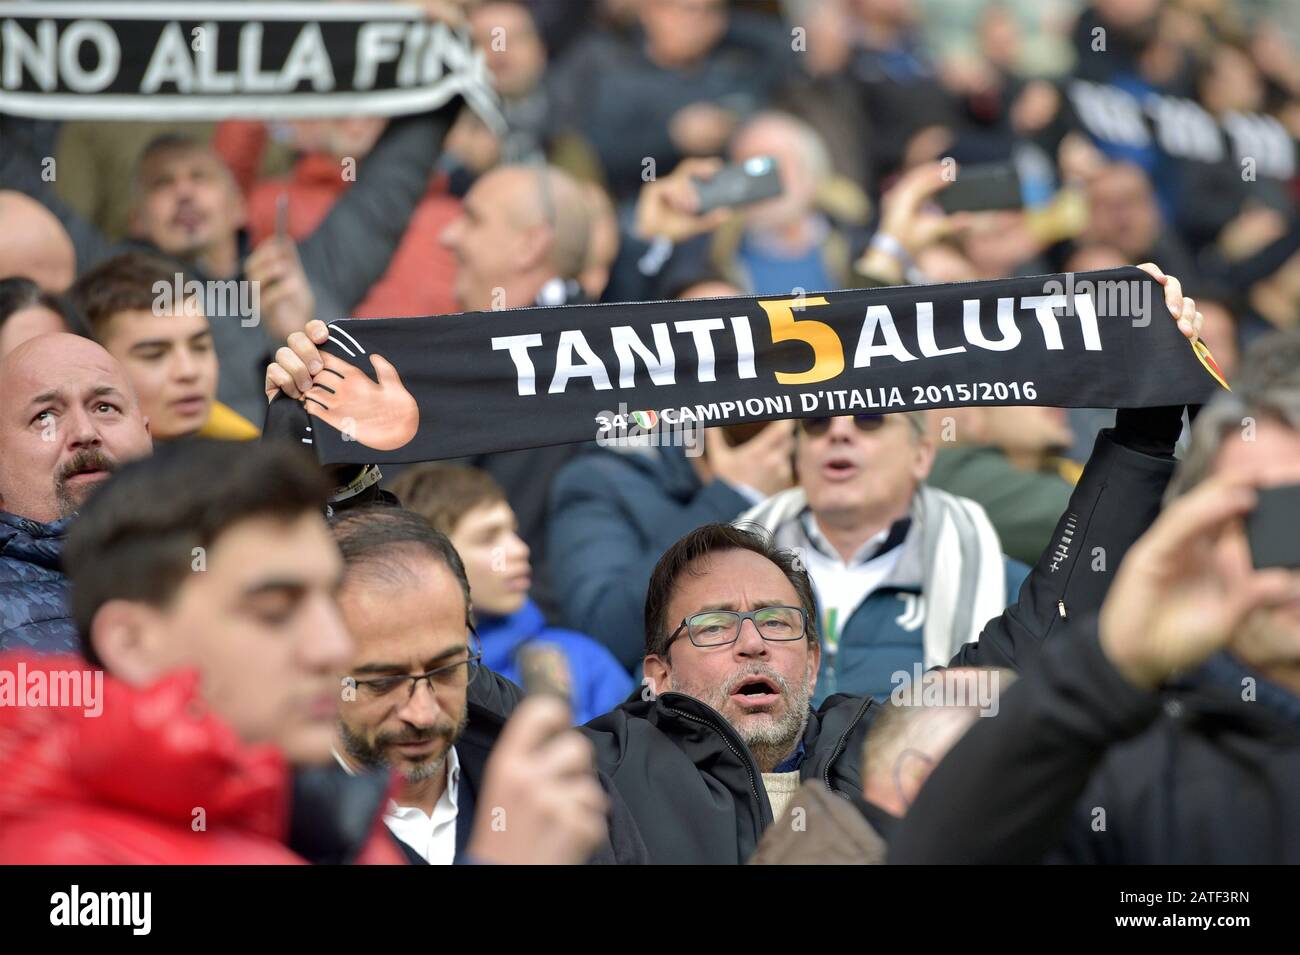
844	738
1061	612
753	788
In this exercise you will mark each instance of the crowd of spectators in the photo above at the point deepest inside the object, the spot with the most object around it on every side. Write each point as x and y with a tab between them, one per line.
855	547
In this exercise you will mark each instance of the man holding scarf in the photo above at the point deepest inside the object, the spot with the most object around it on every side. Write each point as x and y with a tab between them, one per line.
723	731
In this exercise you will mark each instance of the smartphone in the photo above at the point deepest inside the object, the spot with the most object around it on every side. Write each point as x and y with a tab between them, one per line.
1273	528
981	188
544	670
740	184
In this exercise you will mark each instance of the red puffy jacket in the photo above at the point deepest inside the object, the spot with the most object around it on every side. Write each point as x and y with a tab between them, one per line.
125	787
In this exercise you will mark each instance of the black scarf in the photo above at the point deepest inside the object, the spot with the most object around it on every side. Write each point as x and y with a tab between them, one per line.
472	383
202	61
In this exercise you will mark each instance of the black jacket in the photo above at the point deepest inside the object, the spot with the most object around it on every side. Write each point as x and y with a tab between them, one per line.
1081	766
691	782
692	785
623	846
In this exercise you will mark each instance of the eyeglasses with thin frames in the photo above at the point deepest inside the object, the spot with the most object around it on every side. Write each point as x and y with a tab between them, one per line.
717	628
451	675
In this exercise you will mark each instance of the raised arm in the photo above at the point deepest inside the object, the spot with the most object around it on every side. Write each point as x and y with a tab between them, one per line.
351	249
1116	500
1007	791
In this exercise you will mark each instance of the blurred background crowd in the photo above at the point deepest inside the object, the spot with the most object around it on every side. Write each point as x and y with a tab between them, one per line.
1137	131
613	108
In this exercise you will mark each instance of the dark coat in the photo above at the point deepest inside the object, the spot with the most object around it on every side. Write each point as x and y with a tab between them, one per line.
623	846
693	785
1090	768
34	612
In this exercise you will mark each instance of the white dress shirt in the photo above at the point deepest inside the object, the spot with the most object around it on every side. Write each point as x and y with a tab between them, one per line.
841	585
433	837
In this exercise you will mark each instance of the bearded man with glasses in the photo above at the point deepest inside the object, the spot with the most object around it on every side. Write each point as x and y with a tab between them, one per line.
408	703
725	729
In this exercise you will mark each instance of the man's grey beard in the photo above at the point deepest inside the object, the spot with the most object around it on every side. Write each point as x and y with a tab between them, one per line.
772	741
372	754
69	501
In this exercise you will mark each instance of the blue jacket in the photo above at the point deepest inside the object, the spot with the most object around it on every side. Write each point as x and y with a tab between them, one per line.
883	637
34	612
613	514
599	683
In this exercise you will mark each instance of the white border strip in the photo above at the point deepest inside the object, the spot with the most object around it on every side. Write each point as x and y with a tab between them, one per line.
178	106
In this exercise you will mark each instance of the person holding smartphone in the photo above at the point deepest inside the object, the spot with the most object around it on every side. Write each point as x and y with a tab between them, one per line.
1166	729
803	234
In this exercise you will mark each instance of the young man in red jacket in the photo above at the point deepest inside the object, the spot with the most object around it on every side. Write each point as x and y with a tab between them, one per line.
205	582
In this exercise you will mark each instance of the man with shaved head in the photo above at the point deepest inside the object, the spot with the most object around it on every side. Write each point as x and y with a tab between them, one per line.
33	244
68	418
521	239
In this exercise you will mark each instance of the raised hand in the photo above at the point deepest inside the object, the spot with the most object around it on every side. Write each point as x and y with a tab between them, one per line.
765	462
910	219
297	361
285	298
1187	585
1181	307
666	208
541	803
380	414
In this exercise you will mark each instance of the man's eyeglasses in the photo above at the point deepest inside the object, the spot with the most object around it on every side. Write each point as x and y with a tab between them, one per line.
451	676
717	628
863	422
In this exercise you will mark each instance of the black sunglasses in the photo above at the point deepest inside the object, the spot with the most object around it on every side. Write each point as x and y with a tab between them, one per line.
863	422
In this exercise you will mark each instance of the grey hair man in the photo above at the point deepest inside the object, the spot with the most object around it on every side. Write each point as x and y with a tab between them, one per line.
887	554
521	239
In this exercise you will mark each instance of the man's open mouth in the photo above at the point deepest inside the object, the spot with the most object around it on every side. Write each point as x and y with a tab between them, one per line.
90	472
755	691
839	468
188	218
